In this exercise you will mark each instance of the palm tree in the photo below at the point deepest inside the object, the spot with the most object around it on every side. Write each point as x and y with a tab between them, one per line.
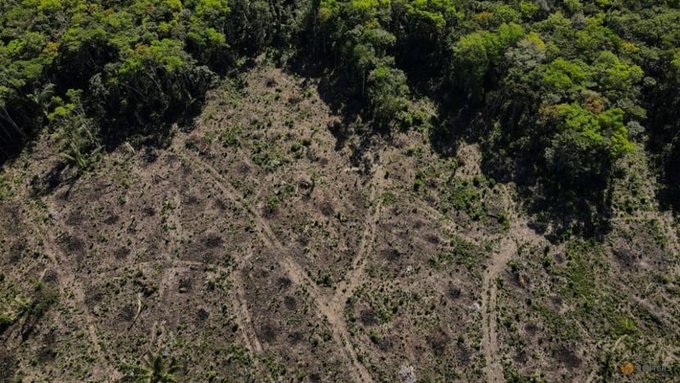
153	369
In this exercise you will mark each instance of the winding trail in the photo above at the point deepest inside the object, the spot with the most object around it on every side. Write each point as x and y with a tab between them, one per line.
494	368
347	287
68	284
297	273
519	232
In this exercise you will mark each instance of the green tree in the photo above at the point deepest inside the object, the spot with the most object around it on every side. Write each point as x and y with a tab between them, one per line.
155	368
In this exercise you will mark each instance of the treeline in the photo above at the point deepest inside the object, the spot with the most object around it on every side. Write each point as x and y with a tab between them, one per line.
561	88
99	71
556	92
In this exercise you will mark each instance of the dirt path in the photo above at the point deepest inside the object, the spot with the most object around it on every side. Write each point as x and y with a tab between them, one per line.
243	315
266	234
494	369
294	270
519	232
346	288
336	306
70	287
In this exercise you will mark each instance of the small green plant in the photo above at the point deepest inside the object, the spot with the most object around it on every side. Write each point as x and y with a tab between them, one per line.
419	181
375	336
415	151
273	202
389	198
298	150
154	368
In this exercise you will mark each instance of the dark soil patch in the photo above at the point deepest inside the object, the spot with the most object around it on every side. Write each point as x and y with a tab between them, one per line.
386	343
46	354
391	254
284	282
454	292
521	357
531	328
72	245
148	211
464	354
127	313
112	219
220	204
213	241
51	276
121	252
327	209
185	285
16	251
76	218
368	317
190	200
290	302
269	212
202	315
567	357
295	337
93	297
433	239
268	333
438	343
8	367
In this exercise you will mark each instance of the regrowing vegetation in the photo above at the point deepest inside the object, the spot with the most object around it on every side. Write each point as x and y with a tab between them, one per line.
521	157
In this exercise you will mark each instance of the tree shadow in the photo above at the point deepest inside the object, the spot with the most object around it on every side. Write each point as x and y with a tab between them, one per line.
668	194
19	124
562	210
60	173
558	206
350	125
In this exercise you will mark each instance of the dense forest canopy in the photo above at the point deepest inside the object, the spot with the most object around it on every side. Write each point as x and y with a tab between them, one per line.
556	92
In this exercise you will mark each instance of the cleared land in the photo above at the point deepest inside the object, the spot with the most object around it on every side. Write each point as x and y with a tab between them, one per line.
261	247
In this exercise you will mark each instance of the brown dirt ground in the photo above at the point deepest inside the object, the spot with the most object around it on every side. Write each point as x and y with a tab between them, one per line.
255	248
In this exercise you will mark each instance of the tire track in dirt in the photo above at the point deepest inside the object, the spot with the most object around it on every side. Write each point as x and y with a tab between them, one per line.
494	369
242	314
266	234
295	271
67	279
346	289
519	232
336	306
245	320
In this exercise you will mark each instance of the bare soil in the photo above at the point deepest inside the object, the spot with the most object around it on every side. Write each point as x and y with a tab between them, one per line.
260	247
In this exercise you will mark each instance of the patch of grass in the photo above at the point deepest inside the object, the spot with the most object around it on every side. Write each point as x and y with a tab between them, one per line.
264	154
239	355
14	305
580	272
623	325
657	232
168	206
415	151
273	202
297	150
325	279
4	187
557	323
230	137
466	196
389	198
462	252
